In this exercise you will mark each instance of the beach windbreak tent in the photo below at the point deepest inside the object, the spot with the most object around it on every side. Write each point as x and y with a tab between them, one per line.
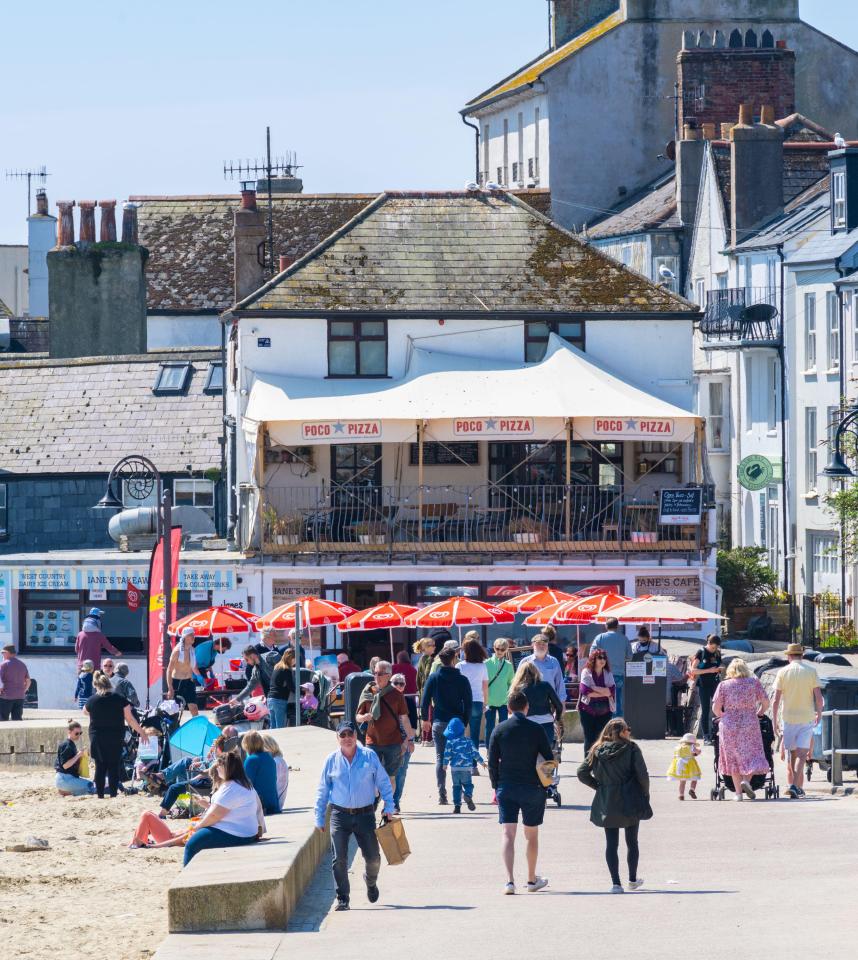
193	739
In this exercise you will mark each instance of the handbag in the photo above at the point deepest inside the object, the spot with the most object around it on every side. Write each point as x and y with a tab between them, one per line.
392	840
545	771
83	766
636	804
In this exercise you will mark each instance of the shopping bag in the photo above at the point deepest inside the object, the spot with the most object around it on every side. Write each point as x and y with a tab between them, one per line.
394	843
545	770
83	767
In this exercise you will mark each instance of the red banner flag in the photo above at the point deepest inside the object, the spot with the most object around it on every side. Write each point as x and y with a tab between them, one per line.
157	602
132	596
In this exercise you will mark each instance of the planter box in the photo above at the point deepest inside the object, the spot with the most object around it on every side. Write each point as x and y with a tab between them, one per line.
284	539
527	537
644	536
740	616
779	612
374	538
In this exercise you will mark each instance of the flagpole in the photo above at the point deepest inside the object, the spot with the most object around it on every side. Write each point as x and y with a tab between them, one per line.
298	629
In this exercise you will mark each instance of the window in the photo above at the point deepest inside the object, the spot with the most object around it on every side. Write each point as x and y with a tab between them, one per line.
537	465
700	292
535	173
356	464
849	322
824	552
773	525
505	180
173	378
772	277
515	172
357	348
4	511
486	167
810	440
721	279
195	493
532	172
626	254
810	331
520	164
838	193
832	326
139	495
747	276
500	176
772	407
715	420
214	379
536	336
672	264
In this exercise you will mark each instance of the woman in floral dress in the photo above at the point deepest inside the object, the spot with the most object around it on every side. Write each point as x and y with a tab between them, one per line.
739	703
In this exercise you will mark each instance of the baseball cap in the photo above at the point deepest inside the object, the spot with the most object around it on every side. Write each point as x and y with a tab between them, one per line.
346	725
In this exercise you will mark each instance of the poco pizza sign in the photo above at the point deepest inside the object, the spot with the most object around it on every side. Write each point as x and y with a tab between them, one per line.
493	427
644	428
341	429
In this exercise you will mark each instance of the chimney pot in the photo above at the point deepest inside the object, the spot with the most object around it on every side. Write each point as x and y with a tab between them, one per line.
746	114
689	131
726	128
780	44
129	223
708	131
248	198
285	262
87	221
767	115
41	202
108	221
65	229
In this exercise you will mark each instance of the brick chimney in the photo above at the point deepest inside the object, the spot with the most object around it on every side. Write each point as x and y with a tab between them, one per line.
107	234
720	69
65	224
87	220
572	17
248	245
756	172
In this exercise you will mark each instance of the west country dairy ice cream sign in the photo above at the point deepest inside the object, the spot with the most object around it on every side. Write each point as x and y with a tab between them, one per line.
341	430
493	427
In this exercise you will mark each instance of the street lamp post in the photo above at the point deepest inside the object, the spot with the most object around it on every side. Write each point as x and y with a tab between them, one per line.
140	477
839	469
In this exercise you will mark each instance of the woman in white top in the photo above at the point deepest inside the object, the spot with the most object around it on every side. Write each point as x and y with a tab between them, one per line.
273	747
234	816
474	668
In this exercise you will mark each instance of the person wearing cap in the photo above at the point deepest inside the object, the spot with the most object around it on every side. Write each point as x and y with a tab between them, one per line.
123	686
14	684
181	670
207	652
447	694
91	642
797	690
549	667
351	777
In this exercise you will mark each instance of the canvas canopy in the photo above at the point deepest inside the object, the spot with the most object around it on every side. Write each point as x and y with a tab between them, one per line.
466	398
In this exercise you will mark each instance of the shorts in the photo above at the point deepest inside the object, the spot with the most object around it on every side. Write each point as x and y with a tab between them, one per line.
515	798
187	690
798	736
390	756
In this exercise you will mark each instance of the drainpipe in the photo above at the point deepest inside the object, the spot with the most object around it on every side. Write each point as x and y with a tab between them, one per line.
224	491
841	406
476	130
784	507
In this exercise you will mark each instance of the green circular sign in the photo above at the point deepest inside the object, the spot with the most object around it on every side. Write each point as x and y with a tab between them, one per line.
755	472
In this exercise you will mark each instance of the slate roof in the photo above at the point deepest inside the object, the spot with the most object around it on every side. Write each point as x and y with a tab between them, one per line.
82	415
652	208
800	213
4	310
458	252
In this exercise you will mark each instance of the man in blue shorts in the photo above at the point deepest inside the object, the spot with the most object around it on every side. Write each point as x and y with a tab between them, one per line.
514	749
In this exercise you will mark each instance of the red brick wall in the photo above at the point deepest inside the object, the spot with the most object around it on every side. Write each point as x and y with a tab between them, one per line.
729	77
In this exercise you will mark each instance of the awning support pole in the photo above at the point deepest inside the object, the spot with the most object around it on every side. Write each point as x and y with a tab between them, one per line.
568	495
421	426
260	485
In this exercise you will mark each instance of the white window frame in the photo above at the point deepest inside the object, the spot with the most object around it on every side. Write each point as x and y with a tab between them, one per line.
849	321
832	419
773	402
536	145
505	181
772	276
832	326
520	178
810	331
4	510
811	455
672	264
194	486
838	197
486	165
773	526
716	420
823	550
700	293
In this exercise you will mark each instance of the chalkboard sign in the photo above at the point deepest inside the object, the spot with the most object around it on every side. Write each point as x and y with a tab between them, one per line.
446	454
680	506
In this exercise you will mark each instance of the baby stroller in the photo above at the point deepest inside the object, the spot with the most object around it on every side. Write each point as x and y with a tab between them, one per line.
165	716
552	792
759	781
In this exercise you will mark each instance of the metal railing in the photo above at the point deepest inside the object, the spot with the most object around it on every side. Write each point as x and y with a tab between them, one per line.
727	320
479	518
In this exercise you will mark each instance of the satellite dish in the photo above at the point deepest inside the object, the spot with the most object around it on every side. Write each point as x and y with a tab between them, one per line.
670	150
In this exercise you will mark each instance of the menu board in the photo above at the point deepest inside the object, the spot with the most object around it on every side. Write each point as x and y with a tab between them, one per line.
446	454
52	628
682	505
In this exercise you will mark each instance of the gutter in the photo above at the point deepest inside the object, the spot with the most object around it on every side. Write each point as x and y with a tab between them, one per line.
785	514
476	130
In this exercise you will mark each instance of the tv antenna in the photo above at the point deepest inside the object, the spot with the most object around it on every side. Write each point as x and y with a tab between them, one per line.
40	175
285	165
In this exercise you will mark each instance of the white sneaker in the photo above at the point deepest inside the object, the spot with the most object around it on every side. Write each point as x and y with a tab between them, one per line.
635	884
617	888
749	793
739	795
538	884
509	889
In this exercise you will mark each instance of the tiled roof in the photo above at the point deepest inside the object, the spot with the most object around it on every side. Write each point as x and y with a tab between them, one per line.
4	310
533	71
190	266
652	208
82	415
801	215
459	252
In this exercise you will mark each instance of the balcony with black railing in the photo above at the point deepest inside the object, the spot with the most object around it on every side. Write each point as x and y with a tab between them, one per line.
741	317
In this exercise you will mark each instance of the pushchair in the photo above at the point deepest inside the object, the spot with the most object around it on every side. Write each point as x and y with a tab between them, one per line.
552	792
759	781
166	717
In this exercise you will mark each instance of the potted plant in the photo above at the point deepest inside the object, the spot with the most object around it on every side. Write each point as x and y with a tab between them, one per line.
371	531
287	530
528	530
269	519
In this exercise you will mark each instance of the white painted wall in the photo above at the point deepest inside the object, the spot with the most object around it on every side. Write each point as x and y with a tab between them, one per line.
526	138
164	331
13	277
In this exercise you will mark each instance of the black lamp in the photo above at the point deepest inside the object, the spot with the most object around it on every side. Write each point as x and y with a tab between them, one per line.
109	501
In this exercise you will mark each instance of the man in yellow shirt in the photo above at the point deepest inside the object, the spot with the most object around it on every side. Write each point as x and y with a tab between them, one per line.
797	687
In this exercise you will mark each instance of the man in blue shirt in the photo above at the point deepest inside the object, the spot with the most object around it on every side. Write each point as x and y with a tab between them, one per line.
549	667
618	649
350	779
206	652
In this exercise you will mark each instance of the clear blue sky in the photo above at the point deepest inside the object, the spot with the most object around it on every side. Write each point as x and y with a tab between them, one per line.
121	98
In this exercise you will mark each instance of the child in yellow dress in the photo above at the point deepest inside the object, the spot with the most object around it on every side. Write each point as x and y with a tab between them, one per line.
684	765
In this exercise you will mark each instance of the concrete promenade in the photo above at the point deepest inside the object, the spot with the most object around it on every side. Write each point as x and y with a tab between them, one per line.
761	879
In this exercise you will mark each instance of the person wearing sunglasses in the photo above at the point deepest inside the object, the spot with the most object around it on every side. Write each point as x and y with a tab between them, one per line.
351	778
382	708
70	754
596	701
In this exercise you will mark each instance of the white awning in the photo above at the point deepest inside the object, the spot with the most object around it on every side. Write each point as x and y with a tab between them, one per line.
466	398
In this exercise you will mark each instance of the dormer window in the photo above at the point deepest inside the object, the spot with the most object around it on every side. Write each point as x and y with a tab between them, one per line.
844	188
838	199
173	378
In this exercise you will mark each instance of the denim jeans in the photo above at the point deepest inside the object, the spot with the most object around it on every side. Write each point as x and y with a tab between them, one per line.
362	825
438	729
704	728
209	838
177	771
277	709
494	715
399	782
476	722
619	682
175	790
462	780
76	786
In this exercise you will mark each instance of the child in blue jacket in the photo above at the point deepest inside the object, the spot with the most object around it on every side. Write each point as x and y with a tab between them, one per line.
461	756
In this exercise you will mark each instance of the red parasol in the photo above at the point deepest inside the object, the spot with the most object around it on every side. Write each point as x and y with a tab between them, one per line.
578	610
458	612
383	616
314	613
535	600
216	621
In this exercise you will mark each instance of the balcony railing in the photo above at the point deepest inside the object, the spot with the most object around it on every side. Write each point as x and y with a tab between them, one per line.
741	316
454	519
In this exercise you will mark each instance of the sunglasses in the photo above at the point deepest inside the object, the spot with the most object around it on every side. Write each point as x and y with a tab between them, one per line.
601	658
381	673
346	734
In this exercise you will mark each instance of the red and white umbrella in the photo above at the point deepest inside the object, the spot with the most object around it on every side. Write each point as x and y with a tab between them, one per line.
578	610
535	600
383	616
315	612
458	612
216	621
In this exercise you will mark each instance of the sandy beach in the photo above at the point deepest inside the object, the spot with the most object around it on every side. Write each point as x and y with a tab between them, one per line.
88	895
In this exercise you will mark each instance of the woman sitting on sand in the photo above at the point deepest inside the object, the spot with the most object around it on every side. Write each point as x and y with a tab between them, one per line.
69	756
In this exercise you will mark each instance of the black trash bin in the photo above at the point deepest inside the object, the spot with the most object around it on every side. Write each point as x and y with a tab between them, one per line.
838	693
645	698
